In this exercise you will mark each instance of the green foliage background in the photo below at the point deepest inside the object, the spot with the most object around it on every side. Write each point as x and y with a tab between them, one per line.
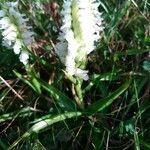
38	109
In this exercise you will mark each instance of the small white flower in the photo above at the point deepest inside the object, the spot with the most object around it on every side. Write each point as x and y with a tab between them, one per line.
83	74
62	54
82	23
24	56
4	23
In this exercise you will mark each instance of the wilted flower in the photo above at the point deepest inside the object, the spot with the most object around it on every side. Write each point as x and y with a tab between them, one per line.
82	23
16	34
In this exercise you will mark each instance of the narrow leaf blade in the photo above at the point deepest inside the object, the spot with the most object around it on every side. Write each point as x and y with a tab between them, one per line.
103	103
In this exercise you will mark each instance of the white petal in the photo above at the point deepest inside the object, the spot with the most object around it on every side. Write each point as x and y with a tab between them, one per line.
27	34
4	22
70	65
17	47
2	13
10	29
7	44
10	36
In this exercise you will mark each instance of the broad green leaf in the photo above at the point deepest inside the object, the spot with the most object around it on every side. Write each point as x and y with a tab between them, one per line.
63	101
103	103
60	98
36	85
33	83
45	124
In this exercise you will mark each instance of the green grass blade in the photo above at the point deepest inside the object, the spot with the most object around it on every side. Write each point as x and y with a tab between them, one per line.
136	140
133	52
146	144
103	103
140	84
21	113
44	124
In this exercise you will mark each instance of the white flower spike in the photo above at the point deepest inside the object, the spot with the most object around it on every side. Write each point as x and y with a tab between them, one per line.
15	32
82	23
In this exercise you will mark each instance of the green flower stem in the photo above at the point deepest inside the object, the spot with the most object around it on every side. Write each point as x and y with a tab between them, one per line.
76	91
79	96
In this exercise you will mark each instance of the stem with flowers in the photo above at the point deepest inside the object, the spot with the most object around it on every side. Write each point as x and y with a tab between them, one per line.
81	24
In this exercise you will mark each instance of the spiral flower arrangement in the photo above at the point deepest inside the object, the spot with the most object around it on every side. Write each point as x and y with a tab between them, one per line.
15	31
81	25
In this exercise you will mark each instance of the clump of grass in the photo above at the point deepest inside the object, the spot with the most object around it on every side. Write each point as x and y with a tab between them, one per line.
37	104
